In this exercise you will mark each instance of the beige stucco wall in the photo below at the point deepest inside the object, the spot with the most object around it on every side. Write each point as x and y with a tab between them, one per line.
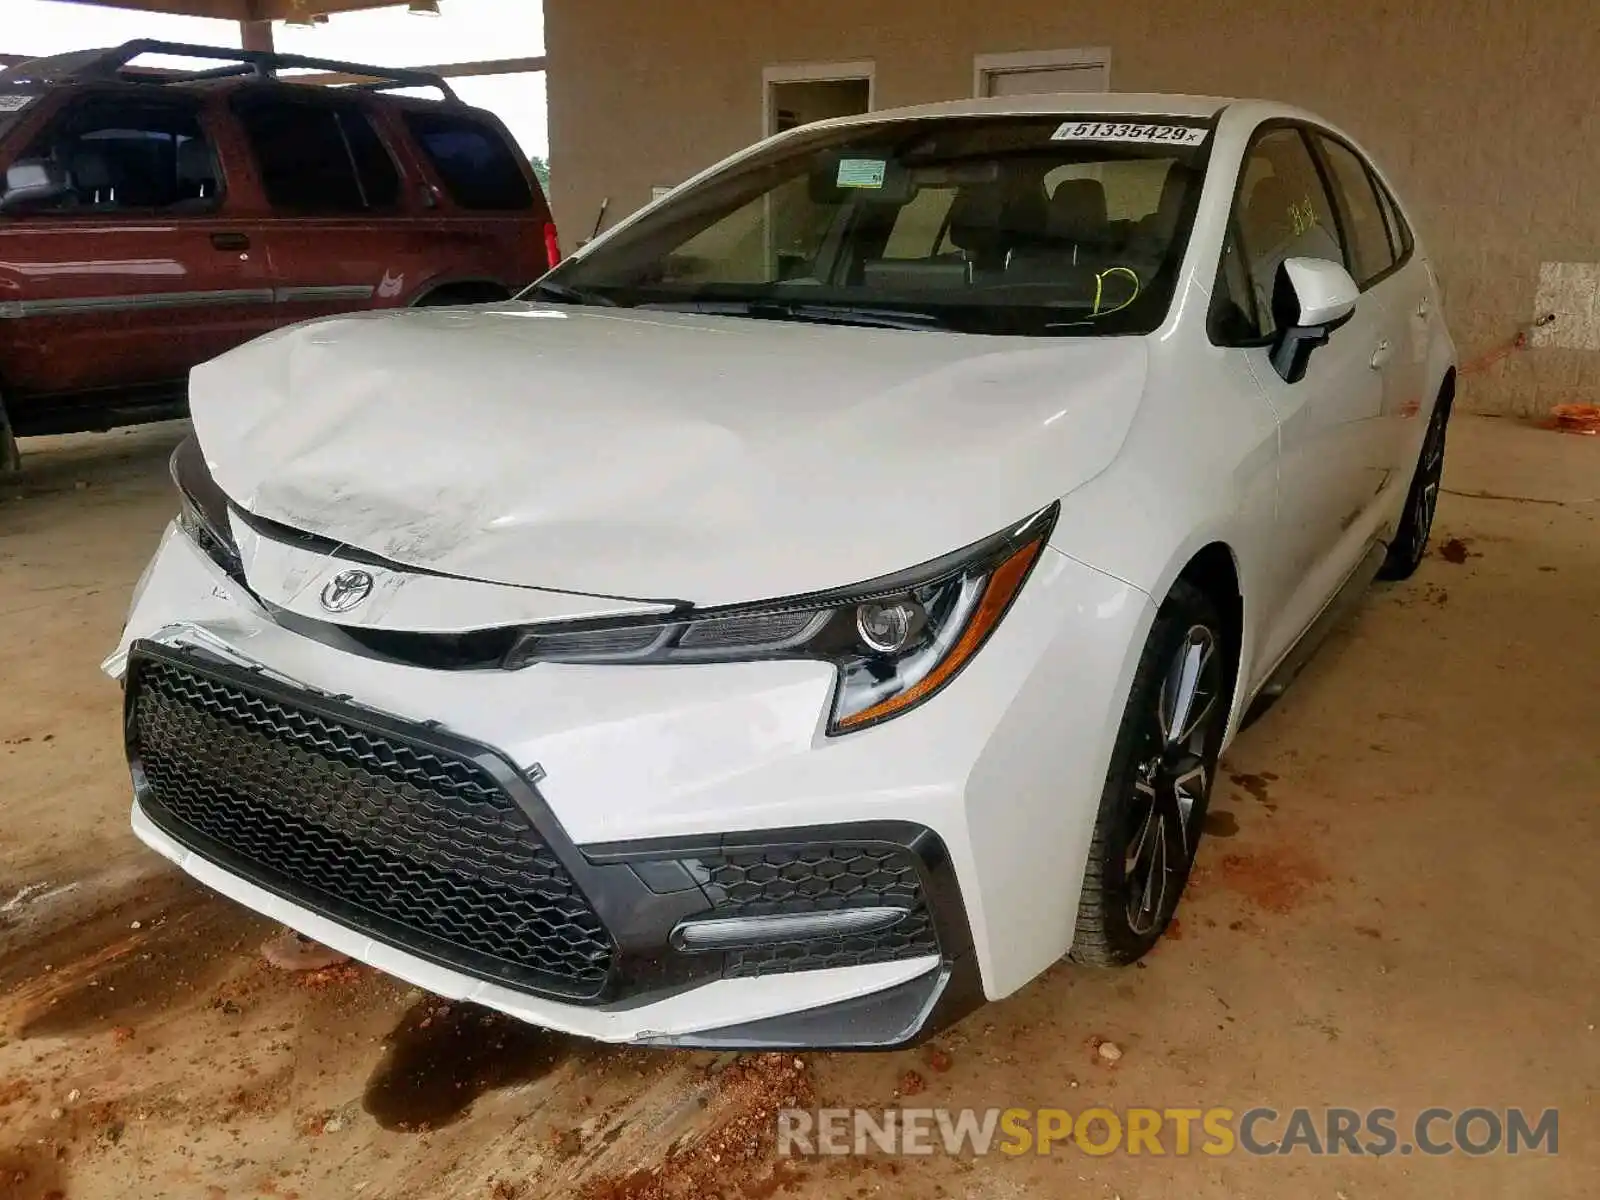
1485	112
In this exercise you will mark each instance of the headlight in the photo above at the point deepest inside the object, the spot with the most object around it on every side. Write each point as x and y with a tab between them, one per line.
895	641
203	509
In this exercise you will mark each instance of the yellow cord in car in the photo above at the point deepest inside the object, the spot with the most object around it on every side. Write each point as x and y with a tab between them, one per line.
1099	289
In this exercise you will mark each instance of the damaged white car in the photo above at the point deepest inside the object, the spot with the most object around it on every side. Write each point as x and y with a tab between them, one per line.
818	605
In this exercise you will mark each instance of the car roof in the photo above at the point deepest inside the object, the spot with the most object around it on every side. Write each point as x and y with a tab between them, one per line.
1241	113
1131	103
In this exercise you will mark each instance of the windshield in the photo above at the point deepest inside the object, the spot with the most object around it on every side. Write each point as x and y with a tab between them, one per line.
1013	225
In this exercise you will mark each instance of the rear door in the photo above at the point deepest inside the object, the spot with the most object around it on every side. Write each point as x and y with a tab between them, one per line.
484	201
1381	264
142	270
336	199
1326	420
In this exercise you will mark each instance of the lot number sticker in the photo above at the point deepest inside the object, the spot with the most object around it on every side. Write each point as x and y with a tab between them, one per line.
861	172
14	103
1109	131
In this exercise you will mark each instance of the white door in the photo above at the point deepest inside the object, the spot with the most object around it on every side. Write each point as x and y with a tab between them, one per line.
1382	264
1330	420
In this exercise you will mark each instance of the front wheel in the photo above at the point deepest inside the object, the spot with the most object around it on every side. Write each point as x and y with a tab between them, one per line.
1159	783
10	456
1410	543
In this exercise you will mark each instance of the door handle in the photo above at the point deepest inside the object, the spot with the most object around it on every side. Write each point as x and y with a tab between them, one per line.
1424	308
230	241
1381	354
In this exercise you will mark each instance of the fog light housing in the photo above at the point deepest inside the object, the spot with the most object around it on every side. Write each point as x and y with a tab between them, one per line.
743	933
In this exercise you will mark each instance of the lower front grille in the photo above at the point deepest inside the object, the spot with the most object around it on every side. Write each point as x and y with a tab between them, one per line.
393	833
819	878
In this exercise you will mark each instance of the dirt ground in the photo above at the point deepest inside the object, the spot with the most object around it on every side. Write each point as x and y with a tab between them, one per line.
1397	905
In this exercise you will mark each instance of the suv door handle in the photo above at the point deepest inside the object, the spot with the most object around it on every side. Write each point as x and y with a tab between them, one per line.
1424	307
230	241
1381	354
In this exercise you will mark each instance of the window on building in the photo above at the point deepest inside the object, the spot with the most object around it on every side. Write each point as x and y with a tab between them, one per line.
478	169
1283	211
316	157
1364	228
124	153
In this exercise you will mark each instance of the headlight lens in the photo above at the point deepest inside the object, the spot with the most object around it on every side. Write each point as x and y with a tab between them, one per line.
203	509
895	641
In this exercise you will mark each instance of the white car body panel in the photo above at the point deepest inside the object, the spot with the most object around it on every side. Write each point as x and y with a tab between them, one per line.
598	462
634	463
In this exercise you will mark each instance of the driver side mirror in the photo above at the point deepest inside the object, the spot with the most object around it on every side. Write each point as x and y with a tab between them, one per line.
1311	297
34	181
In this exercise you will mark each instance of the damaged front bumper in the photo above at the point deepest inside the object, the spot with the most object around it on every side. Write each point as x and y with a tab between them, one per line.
633	854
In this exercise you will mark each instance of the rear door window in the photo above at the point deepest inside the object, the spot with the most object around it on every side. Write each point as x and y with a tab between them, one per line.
1365	231
1399	232
478	169
123	153
318	158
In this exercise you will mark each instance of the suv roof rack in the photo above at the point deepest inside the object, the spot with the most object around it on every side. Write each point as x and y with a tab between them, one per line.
82	66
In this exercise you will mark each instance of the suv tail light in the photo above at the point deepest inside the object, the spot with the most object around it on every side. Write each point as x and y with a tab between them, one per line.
552	243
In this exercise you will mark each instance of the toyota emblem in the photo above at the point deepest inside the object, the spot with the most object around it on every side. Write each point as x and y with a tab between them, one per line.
346	590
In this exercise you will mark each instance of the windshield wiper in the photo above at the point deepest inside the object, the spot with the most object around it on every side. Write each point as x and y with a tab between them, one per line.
562	294
810	312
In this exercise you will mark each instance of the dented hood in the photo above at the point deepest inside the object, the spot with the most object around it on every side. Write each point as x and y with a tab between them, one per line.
656	455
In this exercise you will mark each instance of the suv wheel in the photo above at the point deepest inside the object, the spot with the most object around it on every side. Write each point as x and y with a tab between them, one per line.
10	456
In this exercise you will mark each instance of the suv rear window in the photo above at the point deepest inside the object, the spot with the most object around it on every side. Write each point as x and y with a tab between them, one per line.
474	163
317	157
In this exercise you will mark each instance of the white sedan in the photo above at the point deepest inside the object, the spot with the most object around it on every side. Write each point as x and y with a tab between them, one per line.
818	605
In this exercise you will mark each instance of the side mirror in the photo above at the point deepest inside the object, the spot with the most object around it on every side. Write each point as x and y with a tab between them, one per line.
33	181
1311	297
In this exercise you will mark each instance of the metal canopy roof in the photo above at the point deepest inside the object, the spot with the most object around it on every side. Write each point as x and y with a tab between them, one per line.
244	10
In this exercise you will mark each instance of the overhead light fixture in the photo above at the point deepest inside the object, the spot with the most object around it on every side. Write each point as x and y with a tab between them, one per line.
301	16
423	8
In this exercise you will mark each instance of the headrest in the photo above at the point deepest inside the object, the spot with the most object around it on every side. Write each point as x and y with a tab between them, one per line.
195	164
1266	213
90	170
1078	210
987	215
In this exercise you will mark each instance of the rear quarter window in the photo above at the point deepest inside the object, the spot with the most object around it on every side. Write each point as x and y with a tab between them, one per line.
478	169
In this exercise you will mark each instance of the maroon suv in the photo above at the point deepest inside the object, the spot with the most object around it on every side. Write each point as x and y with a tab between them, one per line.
152	219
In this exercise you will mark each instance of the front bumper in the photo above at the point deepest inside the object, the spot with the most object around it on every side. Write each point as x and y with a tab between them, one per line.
624	775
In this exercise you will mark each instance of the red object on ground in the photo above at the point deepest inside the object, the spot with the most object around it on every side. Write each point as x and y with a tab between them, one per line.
1576	418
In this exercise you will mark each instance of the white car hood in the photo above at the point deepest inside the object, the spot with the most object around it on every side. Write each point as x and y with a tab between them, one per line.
656	455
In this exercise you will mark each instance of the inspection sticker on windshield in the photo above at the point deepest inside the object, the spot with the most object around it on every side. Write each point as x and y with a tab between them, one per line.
861	172
1111	131
14	103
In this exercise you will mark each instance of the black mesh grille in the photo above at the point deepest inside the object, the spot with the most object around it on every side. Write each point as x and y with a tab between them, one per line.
416	846
817	878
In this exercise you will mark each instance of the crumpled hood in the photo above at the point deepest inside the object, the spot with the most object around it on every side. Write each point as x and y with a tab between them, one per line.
656	455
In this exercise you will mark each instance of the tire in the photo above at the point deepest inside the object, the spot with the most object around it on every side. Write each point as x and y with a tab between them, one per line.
1158	787
1410	545
10	456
